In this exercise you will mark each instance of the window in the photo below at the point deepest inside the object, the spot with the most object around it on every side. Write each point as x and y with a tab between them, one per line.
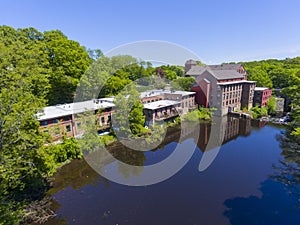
55	121
44	123
68	128
102	120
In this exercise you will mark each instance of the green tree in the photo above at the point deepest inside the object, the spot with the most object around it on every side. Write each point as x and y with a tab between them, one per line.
258	112
68	62
183	83
23	86
271	106
129	117
114	85
261	76
280	77
104	77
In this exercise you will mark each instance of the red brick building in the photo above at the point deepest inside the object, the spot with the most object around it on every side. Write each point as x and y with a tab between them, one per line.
161	105
66	119
261	96
224	87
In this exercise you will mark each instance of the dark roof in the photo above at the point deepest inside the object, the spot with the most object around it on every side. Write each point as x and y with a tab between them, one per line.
196	70
220	72
225	67
226	74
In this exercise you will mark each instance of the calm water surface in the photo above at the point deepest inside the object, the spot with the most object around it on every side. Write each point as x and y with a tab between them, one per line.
249	182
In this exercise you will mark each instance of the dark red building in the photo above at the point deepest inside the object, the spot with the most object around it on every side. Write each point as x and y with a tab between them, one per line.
224	86
261	96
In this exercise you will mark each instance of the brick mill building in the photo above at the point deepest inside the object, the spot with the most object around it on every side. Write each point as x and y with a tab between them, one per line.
224	86
67	119
261	96
162	105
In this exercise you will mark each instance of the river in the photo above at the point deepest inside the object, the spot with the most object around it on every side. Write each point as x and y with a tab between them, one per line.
247	181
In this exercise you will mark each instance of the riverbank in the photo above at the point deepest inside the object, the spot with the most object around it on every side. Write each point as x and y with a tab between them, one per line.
80	191
285	120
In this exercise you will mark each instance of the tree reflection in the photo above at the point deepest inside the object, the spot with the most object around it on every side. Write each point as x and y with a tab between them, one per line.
128	156
280	202
76	175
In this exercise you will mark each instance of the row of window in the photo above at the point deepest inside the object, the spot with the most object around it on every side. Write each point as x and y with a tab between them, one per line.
232	88
231	101
231	95
187	104
153	100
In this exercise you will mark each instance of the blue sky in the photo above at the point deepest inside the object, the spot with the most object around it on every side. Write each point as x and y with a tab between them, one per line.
216	30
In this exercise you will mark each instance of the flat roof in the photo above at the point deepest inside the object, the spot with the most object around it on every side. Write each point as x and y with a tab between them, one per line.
237	82
151	93
183	93
261	88
160	104
52	112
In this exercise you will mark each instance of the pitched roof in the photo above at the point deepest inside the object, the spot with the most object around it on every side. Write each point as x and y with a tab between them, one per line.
225	66
226	74
220	72
196	70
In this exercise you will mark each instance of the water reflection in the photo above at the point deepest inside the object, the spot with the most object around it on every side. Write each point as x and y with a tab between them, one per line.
190	197
276	206
280	201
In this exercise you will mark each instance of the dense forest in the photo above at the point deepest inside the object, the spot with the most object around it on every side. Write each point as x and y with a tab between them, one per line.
280	74
46	68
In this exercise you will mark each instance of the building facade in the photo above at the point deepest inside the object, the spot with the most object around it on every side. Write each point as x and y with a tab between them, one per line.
261	96
162	105
69	119
224	87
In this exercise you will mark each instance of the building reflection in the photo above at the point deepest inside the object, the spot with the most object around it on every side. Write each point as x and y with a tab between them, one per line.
206	136
220	131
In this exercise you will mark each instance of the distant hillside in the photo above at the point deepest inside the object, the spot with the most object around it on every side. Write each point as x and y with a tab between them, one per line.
272	72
